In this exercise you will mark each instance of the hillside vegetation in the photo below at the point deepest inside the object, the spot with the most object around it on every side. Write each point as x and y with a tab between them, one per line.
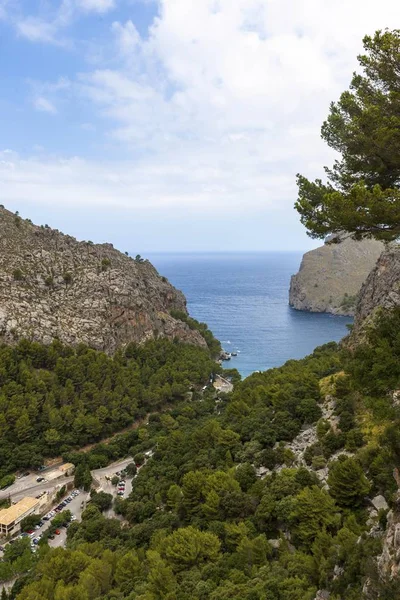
201	523
55	398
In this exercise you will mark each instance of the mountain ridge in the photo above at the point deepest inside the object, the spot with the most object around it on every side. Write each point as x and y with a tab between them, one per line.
53	286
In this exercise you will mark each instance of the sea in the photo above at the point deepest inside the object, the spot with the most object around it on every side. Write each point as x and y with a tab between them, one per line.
243	298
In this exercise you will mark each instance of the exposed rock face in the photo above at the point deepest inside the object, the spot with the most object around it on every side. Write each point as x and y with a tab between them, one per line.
331	277
381	289
52	286
389	559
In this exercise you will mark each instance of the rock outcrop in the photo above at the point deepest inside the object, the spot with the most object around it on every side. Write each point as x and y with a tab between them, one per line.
330	277
380	290
52	286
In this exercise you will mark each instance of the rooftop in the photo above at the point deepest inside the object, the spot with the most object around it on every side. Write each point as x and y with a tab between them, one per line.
66	467
9	515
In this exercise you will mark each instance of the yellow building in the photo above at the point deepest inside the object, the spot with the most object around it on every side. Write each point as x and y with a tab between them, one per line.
67	468
10	518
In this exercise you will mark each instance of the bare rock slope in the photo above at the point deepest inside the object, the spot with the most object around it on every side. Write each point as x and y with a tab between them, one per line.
52	286
330	277
381	289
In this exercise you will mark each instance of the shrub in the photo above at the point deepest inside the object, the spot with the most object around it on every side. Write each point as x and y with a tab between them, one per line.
18	275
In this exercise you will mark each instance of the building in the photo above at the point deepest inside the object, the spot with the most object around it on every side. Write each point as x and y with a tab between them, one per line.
67	469
10	518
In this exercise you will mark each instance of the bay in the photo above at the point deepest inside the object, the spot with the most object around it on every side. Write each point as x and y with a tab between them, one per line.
243	298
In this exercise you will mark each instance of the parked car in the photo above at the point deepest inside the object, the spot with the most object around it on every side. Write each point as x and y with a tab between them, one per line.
39	479
30	531
57	532
120	493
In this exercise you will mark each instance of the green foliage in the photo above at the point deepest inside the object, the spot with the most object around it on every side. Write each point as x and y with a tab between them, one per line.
347	482
105	264
362	194
83	476
213	344
139	459
55	398
188	547
131	469
374	366
61	493
198	520
18	275
61	519
102	500
67	278
17	559
30	522
6	481
314	510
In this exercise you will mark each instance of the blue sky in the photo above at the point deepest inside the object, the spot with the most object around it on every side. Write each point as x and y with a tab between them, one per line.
172	125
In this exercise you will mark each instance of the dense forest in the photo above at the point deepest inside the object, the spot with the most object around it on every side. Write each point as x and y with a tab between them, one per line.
223	509
54	398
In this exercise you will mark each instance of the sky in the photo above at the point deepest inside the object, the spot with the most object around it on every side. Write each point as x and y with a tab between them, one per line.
173	125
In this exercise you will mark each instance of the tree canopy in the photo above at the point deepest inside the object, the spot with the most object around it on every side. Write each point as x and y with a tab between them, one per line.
362	192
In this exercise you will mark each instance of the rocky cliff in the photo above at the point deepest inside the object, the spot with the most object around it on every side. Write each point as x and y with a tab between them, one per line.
330	277
52	286
381	288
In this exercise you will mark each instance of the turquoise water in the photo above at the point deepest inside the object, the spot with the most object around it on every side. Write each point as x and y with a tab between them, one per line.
244	300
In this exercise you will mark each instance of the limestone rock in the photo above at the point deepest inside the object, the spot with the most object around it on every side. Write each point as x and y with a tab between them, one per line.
330	277
53	286
379	503
381	289
322	595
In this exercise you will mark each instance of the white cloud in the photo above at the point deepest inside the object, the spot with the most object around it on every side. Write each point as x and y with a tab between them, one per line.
127	37
222	102
44	105
99	6
38	30
47	30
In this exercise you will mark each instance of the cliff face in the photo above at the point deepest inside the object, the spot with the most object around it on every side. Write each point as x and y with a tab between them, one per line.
381	288
330	277
52	286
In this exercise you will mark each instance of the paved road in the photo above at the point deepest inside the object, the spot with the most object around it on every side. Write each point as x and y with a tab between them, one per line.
120	465
28	486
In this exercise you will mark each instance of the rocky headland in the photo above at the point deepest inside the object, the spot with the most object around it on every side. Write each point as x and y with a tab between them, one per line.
381	290
53	286
330	277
